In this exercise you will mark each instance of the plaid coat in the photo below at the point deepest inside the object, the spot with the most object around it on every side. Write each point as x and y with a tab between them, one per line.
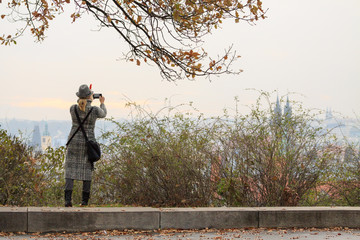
76	164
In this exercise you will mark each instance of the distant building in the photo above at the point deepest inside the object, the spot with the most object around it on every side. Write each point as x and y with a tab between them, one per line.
36	138
45	139
328	114
347	130
279	114
287	109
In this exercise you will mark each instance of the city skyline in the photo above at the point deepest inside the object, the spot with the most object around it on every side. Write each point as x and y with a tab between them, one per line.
33	132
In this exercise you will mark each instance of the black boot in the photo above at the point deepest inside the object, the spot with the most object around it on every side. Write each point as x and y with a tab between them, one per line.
68	194
85	198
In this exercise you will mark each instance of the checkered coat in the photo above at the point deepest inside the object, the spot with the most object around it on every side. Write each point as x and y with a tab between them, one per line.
76	164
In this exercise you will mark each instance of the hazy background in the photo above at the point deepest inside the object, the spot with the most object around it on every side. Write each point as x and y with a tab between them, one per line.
306	46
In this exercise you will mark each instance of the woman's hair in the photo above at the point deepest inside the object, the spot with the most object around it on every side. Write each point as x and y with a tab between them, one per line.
82	104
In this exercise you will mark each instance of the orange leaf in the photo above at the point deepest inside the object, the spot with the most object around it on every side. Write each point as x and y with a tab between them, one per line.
138	62
138	19
2	16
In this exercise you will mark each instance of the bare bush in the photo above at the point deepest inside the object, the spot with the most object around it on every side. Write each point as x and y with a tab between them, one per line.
18	174
270	158
155	160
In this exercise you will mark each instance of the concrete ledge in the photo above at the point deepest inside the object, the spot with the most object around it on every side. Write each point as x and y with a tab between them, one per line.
319	217
199	218
13	219
90	219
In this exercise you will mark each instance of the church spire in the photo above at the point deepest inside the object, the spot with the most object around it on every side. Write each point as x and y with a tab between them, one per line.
287	108
328	114
277	109
277	112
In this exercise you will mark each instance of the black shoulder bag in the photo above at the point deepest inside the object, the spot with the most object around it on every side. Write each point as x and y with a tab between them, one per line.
92	147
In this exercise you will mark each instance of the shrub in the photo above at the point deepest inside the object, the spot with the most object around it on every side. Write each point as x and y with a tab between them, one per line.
272	159
158	161
18	173
343	184
30	178
50	166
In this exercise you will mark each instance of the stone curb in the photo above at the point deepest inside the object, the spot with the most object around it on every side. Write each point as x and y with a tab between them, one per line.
306	217
13	219
33	219
91	219
200	218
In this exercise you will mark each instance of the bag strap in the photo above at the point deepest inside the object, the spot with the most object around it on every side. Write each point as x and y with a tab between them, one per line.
80	124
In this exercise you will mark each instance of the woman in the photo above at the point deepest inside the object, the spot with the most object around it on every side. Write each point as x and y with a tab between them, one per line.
77	167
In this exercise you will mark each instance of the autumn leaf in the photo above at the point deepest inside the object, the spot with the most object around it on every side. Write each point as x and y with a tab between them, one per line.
176	16
108	18
138	19
254	10
197	67
138	62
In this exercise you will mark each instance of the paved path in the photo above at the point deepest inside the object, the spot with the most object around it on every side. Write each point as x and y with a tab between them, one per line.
249	234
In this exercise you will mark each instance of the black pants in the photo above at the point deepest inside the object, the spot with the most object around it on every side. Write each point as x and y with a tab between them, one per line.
69	185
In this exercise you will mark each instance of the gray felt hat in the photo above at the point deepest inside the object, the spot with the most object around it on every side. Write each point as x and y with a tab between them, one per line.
84	91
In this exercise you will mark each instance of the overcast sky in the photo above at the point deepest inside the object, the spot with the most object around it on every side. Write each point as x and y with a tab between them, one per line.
311	47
